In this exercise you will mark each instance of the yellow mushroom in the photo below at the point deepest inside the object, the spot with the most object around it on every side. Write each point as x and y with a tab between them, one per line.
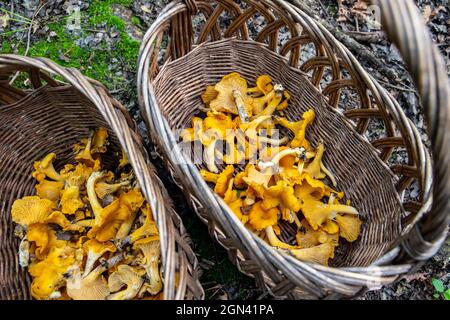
228	88
319	254
308	237
70	200
236	207
274	241
298	128
349	226
91	287
50	190
148	228
209	176
31	209
44	169
273	104
194	133
83	151
128	276
100	141
150	247
260	218
94	250
103	189
76	175
258	104
219	122
223	179
57	217
123	160
281	194
263	85
48	274
317	212
316	169
44	238
273	165
209	95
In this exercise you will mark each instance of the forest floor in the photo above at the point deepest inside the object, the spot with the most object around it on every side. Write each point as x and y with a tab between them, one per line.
106	48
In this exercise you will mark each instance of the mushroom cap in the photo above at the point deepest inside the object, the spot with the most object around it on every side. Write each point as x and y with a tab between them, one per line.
50	190
91	287
61	220
128	276
76	175
308	237
48	274
44	238
264	84
133	199
349	226
260	218
31	209
320	254
100	141
209	95
70	200
223	179
224	101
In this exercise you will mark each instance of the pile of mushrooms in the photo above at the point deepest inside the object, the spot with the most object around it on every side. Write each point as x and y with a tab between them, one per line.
88	233
268	180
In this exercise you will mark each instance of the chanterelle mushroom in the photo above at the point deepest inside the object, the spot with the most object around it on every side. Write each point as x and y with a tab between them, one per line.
91	287
230	86
150	247
100	141
31	209
50	190
95	249
131	277
44	168
49	273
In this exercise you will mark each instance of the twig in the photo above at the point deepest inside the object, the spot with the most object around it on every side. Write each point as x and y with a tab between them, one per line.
401	88
367	37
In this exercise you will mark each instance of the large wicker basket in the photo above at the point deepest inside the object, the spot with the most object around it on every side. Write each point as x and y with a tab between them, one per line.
178	61
50	117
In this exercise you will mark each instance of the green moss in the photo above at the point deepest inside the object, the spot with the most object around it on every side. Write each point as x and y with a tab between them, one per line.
136	21
94	62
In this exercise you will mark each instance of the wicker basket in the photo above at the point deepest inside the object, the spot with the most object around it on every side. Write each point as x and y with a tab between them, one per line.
51	117
177	62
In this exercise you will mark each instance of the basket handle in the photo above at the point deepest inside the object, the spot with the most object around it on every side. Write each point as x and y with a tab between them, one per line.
404	26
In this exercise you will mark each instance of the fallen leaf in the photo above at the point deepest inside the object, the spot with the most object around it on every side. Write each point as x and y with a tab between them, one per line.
427	12
360	5
146	9
4	20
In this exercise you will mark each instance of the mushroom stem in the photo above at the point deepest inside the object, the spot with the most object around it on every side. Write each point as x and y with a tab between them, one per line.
328	173
209	155
274	241
92	195
273	163
240	105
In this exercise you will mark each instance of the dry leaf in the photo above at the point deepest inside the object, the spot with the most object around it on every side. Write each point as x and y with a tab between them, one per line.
4	20
360	5
146	9
427	13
